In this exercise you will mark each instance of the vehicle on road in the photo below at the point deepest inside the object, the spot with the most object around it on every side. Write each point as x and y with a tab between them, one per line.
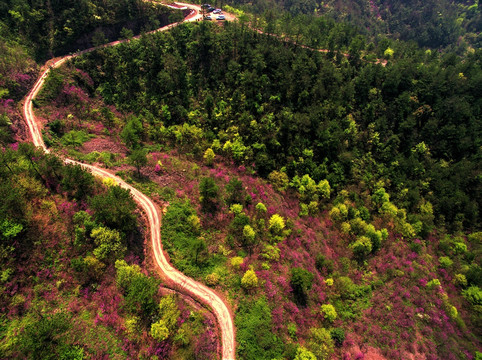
221	17
217	11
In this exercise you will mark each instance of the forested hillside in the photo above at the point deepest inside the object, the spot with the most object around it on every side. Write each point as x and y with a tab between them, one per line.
433	23
411	127
71	284
323	180
334	201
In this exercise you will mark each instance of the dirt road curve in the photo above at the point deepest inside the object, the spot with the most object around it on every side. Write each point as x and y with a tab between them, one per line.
199	291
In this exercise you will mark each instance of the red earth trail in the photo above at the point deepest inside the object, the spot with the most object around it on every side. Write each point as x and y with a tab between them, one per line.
197	290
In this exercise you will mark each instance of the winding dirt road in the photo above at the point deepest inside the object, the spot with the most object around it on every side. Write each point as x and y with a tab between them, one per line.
197	290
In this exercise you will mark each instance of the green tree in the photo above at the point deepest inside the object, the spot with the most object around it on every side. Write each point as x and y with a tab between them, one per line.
361	247
115	209
209	195
301	281
159	330
132	133
276	224
321	343
109	243
138	159
304	354
249	280
209	156
329	312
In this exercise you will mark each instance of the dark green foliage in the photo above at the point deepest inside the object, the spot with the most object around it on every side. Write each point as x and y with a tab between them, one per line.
140	295
43	338
301	281
77	182
255	338
209	195
59	27
324	265
132	133
234	192
338	336
138	159
115	208
5	130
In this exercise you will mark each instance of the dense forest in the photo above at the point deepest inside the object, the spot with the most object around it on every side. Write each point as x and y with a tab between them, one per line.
411	127
331	197
433	24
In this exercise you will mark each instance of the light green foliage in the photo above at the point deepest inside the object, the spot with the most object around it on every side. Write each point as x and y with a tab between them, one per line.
452	312
475	238
335	214
132	133
279	180
209	156
389	209
304	354
460	280
235	148
276	224
236	262
473	295
459	248
75	138
345	227
139	290
270	252
321	343
94	267
249	234
109	243
329	312
361	247
261	208
212	279
132	325
375	236
249	280
125	273
313	207
309	190
388	53
10	229
169	312
380	197
445	262
358	226
434	283
236	209
195	223
159	330
292	330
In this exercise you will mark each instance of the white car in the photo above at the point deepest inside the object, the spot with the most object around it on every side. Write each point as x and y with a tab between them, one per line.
221	17
217	11
209	17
